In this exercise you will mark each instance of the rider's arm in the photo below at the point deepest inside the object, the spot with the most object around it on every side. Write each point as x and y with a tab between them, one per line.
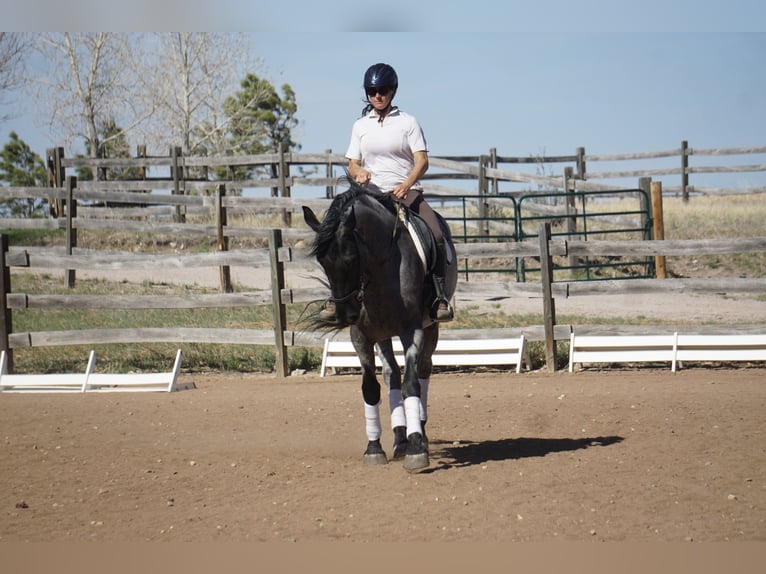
418	170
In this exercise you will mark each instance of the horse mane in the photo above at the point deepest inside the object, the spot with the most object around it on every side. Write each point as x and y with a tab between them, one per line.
326	234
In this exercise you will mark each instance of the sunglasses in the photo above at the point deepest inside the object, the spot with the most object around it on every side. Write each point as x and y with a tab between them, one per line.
383	91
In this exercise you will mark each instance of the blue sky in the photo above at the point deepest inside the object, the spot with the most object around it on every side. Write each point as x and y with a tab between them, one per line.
528	93
612	77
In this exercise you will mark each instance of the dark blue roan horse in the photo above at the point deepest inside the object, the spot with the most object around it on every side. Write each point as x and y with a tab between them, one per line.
381	288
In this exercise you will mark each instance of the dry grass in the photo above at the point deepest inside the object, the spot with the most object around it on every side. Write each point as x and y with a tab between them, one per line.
722	217
715	217
703	217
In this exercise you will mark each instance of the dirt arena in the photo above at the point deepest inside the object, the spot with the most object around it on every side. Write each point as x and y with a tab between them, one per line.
624	455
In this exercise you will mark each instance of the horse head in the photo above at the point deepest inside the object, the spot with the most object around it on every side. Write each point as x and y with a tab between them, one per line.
337	249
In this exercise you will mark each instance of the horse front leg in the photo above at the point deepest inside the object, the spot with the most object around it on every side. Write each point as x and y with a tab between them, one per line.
425	367
393	378
374	453
416	455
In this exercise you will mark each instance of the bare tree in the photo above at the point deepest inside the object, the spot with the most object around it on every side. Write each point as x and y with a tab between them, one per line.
88	83
14	48
188	82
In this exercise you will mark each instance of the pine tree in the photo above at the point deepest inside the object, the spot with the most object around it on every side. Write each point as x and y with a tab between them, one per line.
115	145
21	167
259	119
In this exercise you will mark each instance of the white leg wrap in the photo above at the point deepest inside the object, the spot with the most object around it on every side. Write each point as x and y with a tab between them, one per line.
397	408
412	410
372	418
424	398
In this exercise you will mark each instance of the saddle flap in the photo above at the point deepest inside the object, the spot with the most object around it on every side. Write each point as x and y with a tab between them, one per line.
421	235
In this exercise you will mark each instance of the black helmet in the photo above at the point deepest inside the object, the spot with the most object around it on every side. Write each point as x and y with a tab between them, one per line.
379	75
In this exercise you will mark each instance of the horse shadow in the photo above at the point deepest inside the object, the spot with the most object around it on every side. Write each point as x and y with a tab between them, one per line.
468	453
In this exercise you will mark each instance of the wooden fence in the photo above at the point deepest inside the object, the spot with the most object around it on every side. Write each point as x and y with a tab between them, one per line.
186	188
275	259
185	184
487	172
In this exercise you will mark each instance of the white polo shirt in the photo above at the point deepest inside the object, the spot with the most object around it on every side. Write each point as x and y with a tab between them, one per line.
387	149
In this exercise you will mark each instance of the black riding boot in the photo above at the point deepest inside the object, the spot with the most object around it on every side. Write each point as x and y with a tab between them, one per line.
441	310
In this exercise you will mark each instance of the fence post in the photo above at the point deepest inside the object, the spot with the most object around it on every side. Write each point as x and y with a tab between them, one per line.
221	220
141	154
177	173
571	211
280	312
284	189
483	193
685	171
6	324
658	227
580	163
101	171
55	178
493	164
329	191
645	185
549	304
71	230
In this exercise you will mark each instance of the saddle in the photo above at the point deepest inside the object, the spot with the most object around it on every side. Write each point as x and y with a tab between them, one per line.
421	235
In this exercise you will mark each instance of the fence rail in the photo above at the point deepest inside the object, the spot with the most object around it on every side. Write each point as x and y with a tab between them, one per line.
274	259
158	203
488	171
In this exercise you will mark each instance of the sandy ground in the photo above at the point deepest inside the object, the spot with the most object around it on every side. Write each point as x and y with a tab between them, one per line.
619	455
625	455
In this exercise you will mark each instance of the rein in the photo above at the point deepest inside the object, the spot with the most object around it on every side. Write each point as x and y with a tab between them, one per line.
359	292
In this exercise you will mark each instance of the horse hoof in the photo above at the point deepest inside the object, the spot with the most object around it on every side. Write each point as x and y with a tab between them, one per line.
374	453
417	455
416	461
379	458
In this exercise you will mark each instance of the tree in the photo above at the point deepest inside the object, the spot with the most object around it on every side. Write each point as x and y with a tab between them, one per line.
259	119
21	167
115	146
88	81
187	83
14	47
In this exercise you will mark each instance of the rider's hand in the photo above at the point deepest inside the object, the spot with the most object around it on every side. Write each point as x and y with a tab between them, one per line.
400	191
362	177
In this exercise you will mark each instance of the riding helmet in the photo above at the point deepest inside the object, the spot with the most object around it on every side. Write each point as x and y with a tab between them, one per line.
379	75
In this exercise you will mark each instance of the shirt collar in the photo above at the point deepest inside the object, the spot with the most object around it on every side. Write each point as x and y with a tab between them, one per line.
374	115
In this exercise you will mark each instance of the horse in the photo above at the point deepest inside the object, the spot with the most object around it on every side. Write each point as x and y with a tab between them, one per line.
380	285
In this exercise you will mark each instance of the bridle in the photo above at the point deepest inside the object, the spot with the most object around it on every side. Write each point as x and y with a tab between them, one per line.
363	280
359	292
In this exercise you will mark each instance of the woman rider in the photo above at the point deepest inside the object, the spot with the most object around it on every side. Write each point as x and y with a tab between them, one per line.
388	153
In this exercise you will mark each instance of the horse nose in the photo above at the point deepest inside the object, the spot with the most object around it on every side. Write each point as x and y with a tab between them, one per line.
351	316
347	314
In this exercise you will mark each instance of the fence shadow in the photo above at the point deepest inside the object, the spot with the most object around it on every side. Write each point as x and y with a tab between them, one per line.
468	453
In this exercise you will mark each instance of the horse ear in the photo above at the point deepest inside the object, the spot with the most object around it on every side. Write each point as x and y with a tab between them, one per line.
311	219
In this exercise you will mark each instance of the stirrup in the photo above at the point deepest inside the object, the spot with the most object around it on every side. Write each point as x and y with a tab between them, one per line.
442	315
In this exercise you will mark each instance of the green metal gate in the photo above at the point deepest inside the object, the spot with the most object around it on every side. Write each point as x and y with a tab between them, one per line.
479	219
584	215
